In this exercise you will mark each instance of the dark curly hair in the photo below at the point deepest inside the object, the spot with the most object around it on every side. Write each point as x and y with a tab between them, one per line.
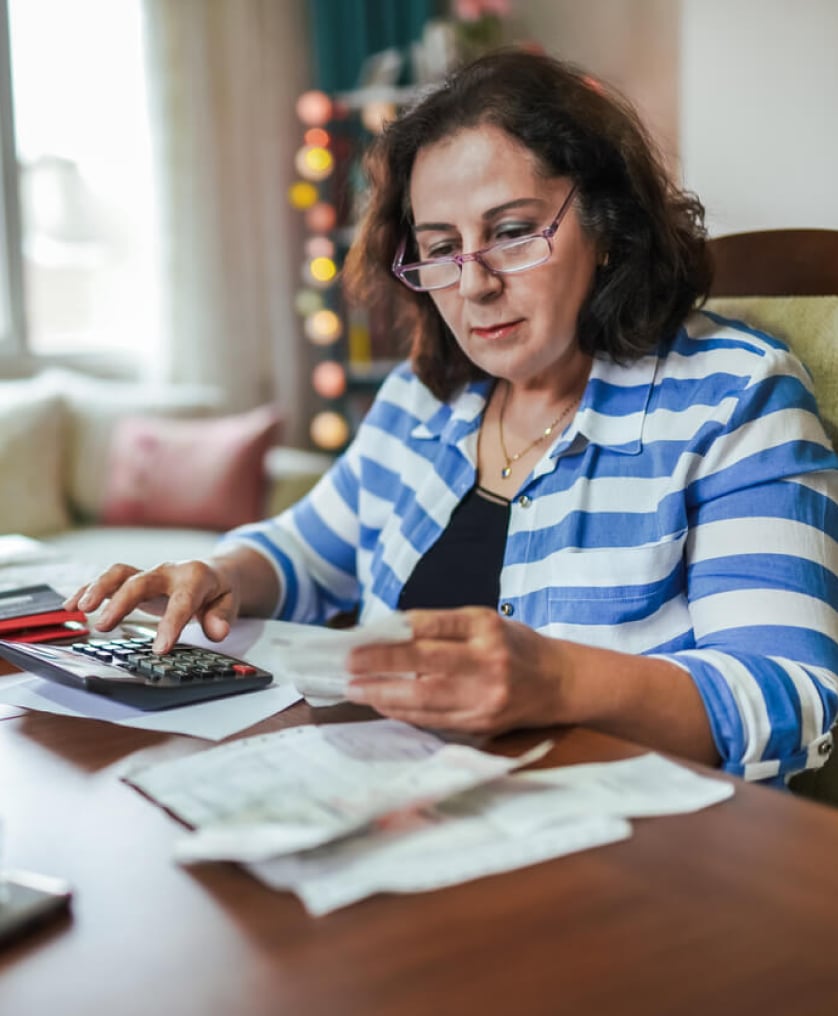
658	267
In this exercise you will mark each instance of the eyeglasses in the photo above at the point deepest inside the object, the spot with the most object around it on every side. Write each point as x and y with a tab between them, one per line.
503	258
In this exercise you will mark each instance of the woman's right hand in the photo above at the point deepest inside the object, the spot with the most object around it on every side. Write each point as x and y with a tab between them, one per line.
207	590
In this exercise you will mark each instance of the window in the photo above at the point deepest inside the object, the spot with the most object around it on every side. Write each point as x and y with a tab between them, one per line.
11	312
79	253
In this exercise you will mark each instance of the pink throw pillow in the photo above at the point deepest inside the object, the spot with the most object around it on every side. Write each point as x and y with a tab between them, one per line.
203	474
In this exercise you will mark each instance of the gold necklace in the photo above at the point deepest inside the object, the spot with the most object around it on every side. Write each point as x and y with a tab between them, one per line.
510	460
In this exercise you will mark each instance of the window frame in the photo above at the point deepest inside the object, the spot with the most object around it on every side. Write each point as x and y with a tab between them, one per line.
13	322
16	358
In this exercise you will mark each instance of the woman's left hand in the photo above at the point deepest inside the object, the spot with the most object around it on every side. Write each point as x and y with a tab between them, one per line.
475	672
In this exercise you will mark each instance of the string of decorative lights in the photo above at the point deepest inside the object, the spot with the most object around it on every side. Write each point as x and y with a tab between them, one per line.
317	302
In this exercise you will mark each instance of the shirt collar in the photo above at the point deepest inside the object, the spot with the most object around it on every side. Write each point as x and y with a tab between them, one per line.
613	407
458	417
611	414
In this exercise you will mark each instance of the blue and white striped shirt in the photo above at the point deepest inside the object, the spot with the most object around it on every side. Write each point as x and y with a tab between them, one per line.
689	512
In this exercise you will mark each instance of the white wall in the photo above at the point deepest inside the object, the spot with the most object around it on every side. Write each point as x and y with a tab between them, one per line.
633	44
743	92
759	111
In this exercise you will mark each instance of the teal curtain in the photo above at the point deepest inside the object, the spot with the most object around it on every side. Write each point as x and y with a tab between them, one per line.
345	32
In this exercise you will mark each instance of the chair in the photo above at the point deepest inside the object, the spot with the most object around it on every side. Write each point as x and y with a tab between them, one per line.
776	262
786	281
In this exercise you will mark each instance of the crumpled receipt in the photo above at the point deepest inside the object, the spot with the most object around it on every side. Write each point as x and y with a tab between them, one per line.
314	658
295	789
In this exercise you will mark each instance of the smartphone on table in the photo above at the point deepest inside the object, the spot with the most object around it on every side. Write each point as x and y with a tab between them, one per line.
28	900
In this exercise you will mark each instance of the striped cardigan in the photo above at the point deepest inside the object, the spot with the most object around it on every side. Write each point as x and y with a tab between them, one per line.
689	512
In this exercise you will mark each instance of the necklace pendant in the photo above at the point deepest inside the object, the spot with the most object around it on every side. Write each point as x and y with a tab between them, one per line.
505	473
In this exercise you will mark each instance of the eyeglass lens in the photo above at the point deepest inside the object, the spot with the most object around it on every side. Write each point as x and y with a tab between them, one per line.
506	257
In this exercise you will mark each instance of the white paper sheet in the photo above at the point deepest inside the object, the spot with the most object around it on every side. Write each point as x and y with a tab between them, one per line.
212	720
638	787
311	656
433	849
315	657
339	812
299	788
518	820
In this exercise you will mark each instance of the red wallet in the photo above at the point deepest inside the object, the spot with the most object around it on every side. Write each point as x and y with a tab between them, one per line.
37	614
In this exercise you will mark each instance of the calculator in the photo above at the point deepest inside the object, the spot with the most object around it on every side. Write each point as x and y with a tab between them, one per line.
127	670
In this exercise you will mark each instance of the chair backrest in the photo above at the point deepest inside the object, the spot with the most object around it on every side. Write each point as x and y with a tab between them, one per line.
786	281
776	262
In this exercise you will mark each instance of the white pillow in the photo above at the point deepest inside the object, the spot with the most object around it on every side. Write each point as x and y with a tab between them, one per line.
32	452
94	405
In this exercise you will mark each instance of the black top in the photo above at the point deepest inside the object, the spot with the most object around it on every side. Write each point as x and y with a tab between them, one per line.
462	569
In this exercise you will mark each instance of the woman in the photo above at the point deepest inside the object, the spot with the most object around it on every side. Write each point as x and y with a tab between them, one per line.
598	507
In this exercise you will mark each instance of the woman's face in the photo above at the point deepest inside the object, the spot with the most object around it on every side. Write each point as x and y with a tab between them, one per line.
480	186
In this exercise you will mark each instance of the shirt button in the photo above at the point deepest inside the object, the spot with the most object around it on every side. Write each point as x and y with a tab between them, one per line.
524	501
507	609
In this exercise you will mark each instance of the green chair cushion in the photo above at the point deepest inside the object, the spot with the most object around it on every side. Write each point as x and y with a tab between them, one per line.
809	324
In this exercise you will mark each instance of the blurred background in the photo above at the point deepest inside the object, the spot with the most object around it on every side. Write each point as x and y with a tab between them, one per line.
181	177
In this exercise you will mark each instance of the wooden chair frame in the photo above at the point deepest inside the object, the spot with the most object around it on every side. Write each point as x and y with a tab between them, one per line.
776	262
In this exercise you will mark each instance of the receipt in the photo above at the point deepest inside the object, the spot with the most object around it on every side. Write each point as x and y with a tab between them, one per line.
314	659
517	820
299	788
437	847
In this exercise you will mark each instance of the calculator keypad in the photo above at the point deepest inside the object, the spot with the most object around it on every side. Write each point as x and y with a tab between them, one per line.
183	664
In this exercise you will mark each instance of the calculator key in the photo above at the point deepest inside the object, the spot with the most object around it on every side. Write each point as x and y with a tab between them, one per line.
243	668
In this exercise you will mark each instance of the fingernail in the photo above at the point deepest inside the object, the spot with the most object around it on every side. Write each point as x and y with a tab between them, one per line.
356	693
85	602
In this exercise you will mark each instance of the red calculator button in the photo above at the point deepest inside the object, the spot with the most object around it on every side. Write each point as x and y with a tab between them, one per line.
244	668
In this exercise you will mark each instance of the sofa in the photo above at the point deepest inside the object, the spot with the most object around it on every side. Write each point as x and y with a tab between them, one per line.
99	471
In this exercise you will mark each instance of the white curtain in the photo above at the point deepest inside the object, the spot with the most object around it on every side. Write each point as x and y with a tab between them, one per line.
224	76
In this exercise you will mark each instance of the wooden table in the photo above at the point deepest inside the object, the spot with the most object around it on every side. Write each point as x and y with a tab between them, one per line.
727	911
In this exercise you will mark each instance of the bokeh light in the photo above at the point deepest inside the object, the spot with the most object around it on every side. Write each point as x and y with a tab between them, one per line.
323	327
328	379
322	270
314	163
329	430
320	247
314	108
303	195
317	136
321	218
308	301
